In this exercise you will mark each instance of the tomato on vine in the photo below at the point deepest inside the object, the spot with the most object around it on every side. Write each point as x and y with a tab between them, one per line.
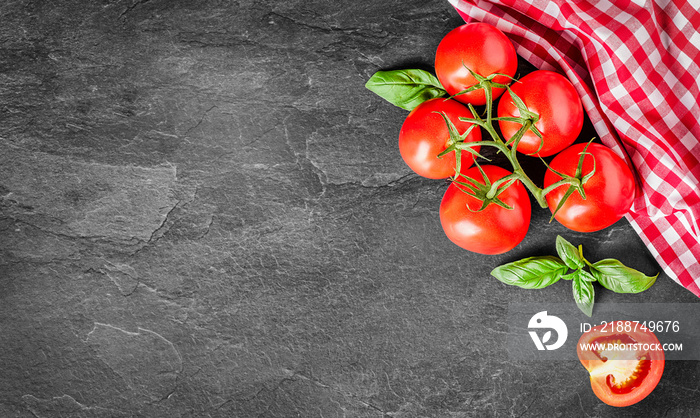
486	218
587	187
607	184
553	107
479	48
425	134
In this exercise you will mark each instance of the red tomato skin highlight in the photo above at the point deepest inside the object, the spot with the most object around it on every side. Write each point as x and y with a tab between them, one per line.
555	100
495	230
484	49
424	135
609	192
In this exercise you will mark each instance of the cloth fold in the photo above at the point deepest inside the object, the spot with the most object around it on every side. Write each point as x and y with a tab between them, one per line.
636	66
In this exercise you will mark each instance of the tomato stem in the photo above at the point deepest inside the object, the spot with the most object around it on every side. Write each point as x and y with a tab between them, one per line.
509	148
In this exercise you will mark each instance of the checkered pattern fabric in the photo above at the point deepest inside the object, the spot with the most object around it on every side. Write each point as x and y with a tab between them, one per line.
636	66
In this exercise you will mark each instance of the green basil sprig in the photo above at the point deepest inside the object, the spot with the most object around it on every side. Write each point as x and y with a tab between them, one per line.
405	88
542	271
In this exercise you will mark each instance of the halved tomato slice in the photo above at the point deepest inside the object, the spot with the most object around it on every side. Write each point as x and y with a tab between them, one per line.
625	361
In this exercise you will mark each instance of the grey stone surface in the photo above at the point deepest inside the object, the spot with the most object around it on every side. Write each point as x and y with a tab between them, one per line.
203	213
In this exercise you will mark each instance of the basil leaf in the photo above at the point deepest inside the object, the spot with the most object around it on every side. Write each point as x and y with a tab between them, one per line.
615	276
531	272
405	88
569	253
584	294
584	275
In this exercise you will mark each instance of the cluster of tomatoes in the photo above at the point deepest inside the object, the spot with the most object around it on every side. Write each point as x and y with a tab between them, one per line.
468	58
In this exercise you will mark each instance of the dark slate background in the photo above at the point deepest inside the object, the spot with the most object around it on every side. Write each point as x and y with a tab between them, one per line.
203	213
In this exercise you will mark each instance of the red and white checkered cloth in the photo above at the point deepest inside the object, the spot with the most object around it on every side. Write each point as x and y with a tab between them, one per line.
636	66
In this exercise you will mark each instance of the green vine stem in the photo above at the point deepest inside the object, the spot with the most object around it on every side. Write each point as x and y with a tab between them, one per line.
509	148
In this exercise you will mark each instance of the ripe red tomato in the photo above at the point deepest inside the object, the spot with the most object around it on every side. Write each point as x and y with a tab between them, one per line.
625	361
554	99
425	134
481	47
609	192
494	230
